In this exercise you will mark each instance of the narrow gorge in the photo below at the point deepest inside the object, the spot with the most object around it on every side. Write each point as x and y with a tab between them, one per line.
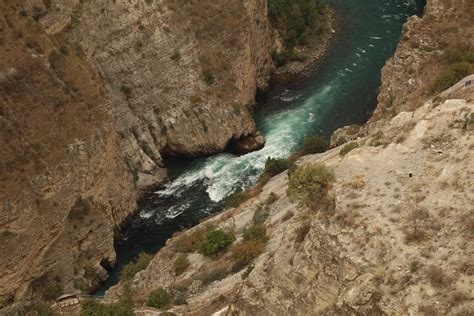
147	126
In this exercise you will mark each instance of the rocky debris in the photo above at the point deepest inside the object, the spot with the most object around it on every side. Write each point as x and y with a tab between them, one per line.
397	241
248	144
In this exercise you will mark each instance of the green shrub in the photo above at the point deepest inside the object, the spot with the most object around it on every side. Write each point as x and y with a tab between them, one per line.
297	20
237	198
309	184
159	298
315	145
451	75
256	232
180	265
215	241
52	291
347	148
274	166
129	270
94	308
208	77
44	309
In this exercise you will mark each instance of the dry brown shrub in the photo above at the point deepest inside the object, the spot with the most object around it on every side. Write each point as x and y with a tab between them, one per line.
287	216
438	278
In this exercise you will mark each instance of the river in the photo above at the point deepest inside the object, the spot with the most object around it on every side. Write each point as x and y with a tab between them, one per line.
343	91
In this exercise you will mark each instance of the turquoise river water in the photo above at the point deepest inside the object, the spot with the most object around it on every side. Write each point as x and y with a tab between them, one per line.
342	91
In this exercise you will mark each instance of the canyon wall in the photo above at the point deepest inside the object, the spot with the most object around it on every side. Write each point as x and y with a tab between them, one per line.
181	75
93	95
63	185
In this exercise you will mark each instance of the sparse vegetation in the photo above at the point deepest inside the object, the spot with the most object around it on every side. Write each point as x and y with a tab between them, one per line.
272	198
274	166
255	232
189	242
44	309
244	252
347	148
159	298
297	20
215	241
451	75
309	184
214	275
94	308
255	238
237	198
460	63
415	232
52	291
261	214
180	265
438	278
314	145
129	270
208	77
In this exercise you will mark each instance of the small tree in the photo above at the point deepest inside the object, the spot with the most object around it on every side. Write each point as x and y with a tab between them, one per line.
159	298
309	184
215	241
315	144
347	148
274	166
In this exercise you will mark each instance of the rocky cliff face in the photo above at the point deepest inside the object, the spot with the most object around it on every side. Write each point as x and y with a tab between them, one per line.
408	76
93	95
63	185
173	70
